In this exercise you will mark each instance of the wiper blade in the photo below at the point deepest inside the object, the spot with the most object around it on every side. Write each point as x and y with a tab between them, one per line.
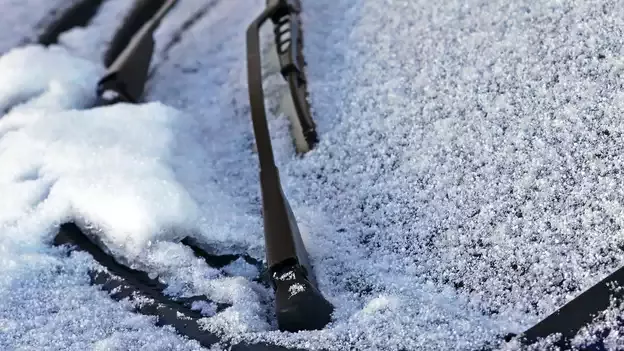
299	303
123	282
288	35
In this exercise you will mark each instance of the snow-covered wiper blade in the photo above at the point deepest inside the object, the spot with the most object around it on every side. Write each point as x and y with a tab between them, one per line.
124	282
299	303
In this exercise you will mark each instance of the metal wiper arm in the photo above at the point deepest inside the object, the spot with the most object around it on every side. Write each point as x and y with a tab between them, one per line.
128	72
286	256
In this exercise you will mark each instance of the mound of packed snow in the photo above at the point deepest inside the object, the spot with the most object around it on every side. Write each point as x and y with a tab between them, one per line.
134	174
108	167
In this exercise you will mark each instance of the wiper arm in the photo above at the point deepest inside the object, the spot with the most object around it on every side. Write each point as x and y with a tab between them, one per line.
128	70
299	303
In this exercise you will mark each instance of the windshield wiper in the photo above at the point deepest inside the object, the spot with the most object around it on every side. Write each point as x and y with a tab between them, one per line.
129	56
299	303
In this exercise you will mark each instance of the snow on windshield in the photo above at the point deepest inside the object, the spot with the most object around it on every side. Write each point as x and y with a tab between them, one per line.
466	183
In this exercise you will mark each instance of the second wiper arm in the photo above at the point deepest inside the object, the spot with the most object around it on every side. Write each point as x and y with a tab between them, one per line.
128	67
